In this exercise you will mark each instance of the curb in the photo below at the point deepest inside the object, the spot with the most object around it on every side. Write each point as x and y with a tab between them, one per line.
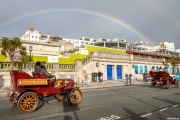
107	86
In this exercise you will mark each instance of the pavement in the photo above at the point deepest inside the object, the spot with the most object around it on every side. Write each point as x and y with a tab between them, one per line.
111	83
96	85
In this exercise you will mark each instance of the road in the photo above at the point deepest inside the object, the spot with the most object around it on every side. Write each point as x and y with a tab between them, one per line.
138	102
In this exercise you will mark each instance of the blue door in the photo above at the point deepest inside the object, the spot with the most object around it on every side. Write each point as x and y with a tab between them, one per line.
109	72
119	71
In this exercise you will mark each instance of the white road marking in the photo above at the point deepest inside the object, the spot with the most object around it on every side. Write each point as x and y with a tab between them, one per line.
146	115
175	105
163	109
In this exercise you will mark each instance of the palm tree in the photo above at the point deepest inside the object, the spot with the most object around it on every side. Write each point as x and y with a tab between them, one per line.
174	61
12	46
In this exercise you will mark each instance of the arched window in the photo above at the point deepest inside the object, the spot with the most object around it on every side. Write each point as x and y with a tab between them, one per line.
145	69
141	69
172	69
178	69
157	67
167	68
136	69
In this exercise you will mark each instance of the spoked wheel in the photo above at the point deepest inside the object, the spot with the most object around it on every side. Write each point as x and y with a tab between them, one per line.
177	83
74	97
168	84
28	102
152	84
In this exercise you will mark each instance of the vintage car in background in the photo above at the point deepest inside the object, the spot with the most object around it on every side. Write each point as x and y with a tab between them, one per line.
29	90
163	78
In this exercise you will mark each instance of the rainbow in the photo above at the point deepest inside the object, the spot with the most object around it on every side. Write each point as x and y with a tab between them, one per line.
83	11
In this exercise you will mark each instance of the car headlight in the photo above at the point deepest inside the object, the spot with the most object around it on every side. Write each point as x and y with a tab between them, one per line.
66	83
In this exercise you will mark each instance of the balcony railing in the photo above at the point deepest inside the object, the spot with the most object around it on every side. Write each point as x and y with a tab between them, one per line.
24	66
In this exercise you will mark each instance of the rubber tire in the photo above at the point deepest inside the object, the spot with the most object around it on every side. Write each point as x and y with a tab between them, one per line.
70	94
34	107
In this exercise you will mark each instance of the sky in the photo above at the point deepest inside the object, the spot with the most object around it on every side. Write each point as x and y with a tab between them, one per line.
152	21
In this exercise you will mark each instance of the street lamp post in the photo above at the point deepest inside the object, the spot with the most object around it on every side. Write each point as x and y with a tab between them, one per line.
30	50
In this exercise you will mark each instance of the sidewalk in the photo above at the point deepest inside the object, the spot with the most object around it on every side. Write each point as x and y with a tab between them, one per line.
95	85
3	93
110	83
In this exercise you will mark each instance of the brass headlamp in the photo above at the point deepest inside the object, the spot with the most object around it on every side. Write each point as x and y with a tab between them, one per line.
77	85
66	82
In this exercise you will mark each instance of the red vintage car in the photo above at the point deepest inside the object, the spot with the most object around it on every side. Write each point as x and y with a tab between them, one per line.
29	90
163	78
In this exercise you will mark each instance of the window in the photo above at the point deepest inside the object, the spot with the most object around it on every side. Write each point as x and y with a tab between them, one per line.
104	40
141	69
86	39
136	69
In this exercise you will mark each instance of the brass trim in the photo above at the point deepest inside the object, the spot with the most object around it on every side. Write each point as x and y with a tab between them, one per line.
28	82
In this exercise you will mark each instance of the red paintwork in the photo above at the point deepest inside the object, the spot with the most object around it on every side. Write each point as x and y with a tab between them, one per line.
48	90
39	75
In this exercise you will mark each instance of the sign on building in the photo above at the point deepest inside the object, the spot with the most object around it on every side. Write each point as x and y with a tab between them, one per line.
53	59
84	52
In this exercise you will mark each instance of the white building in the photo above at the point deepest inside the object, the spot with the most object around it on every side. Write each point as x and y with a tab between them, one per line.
103	40
119	40
75	42
169	46
142	46
87	41
178	50
33	35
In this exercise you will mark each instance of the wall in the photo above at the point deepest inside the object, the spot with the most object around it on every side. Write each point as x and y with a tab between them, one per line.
2	58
